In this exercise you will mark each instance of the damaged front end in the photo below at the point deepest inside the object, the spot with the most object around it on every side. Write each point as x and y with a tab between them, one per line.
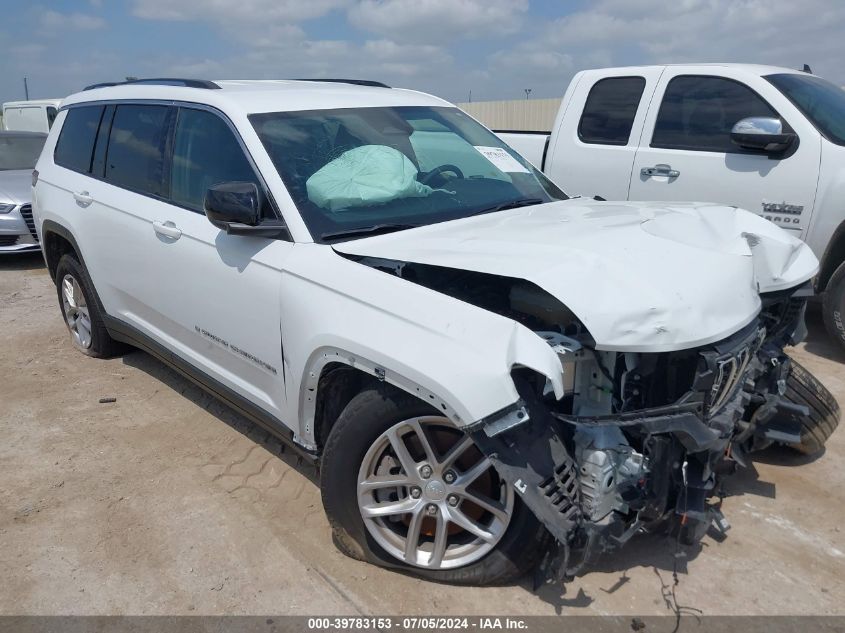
640	440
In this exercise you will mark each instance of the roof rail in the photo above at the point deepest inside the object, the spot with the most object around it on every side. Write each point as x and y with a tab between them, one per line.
355	82
159	81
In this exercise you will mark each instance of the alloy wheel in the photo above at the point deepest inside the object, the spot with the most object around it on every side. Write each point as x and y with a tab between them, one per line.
430	498
76	312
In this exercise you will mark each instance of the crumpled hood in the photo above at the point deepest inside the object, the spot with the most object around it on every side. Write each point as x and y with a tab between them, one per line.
16	186
640	276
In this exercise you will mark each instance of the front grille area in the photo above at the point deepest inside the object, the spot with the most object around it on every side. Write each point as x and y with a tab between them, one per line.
26	212
8	240
729	373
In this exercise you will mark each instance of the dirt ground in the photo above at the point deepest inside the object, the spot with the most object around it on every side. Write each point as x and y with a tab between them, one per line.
167	502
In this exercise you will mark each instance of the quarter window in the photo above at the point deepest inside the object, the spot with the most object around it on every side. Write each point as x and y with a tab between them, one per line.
135	155
205	153
76	139
610	110
698	113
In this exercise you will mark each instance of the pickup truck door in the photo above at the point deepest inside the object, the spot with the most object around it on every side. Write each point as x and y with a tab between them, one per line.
597	131
686	153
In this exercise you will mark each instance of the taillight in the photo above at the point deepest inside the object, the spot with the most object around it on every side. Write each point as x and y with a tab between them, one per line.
34	177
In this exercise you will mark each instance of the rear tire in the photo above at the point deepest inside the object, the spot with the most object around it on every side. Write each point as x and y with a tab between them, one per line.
81	311
352	441
833	306
803	388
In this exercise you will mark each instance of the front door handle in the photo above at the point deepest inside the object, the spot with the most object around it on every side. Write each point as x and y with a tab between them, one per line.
83	198
167	229
660	170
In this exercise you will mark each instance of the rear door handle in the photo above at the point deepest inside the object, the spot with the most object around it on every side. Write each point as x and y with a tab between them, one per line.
167	229
83	198
660	170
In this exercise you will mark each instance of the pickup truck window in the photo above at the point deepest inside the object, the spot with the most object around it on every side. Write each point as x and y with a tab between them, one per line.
610	110
821	101
353	171
698	112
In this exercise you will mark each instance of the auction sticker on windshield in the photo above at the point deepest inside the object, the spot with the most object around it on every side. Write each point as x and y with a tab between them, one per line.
501	159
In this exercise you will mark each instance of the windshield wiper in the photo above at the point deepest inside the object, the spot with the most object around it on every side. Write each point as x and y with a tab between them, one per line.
367	230
513	204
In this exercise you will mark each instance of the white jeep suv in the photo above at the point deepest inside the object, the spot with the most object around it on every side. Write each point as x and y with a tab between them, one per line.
490	375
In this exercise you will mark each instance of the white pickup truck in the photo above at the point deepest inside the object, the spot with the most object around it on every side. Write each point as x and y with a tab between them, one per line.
762	138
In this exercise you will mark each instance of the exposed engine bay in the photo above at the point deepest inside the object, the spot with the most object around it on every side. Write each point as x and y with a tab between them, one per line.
639	440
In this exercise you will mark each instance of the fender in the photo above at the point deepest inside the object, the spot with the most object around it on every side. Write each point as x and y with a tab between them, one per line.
833	256
452	354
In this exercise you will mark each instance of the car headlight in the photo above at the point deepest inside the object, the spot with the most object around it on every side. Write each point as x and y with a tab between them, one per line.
5	207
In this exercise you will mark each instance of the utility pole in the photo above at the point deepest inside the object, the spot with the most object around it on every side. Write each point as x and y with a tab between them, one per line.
527	92
25	89
470	97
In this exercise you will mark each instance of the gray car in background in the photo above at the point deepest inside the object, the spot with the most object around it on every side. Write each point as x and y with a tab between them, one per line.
18	153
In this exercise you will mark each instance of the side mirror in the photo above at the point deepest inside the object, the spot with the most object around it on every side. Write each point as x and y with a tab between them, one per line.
763	134
232	203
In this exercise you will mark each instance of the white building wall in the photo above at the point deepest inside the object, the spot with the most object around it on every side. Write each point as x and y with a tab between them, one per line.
533	115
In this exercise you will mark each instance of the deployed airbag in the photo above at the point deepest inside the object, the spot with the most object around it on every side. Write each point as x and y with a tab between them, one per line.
366	175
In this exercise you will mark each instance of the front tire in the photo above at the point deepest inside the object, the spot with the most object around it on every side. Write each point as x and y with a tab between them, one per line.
833	306
404	488
81	311
803	388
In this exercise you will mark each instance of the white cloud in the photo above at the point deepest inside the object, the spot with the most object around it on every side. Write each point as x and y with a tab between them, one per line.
224	12
54	21
779	32
438	20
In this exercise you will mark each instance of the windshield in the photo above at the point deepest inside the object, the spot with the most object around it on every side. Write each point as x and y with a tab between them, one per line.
821	101
357	171
20	152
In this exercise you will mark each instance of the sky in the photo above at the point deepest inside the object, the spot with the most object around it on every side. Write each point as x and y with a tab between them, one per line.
457	49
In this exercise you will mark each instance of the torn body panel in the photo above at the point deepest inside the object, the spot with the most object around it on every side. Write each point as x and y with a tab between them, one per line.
596	480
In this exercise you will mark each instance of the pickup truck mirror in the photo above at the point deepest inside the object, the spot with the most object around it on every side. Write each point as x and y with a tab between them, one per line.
764	134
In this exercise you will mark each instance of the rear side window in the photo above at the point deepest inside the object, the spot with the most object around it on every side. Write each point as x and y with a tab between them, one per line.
698	113
205	153
76	139
610	110
136	150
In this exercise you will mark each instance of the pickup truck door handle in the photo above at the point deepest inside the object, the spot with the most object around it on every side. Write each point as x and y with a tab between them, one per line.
167	229
83	198
660	170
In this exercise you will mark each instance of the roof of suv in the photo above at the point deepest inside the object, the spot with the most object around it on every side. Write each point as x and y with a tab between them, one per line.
271	95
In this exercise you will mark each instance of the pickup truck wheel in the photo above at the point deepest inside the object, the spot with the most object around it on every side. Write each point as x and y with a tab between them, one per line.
833	306
803	388
403	487
81	312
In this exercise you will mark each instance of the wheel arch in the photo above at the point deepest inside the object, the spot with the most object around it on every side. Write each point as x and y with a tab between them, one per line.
56	241
833	257
334	376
